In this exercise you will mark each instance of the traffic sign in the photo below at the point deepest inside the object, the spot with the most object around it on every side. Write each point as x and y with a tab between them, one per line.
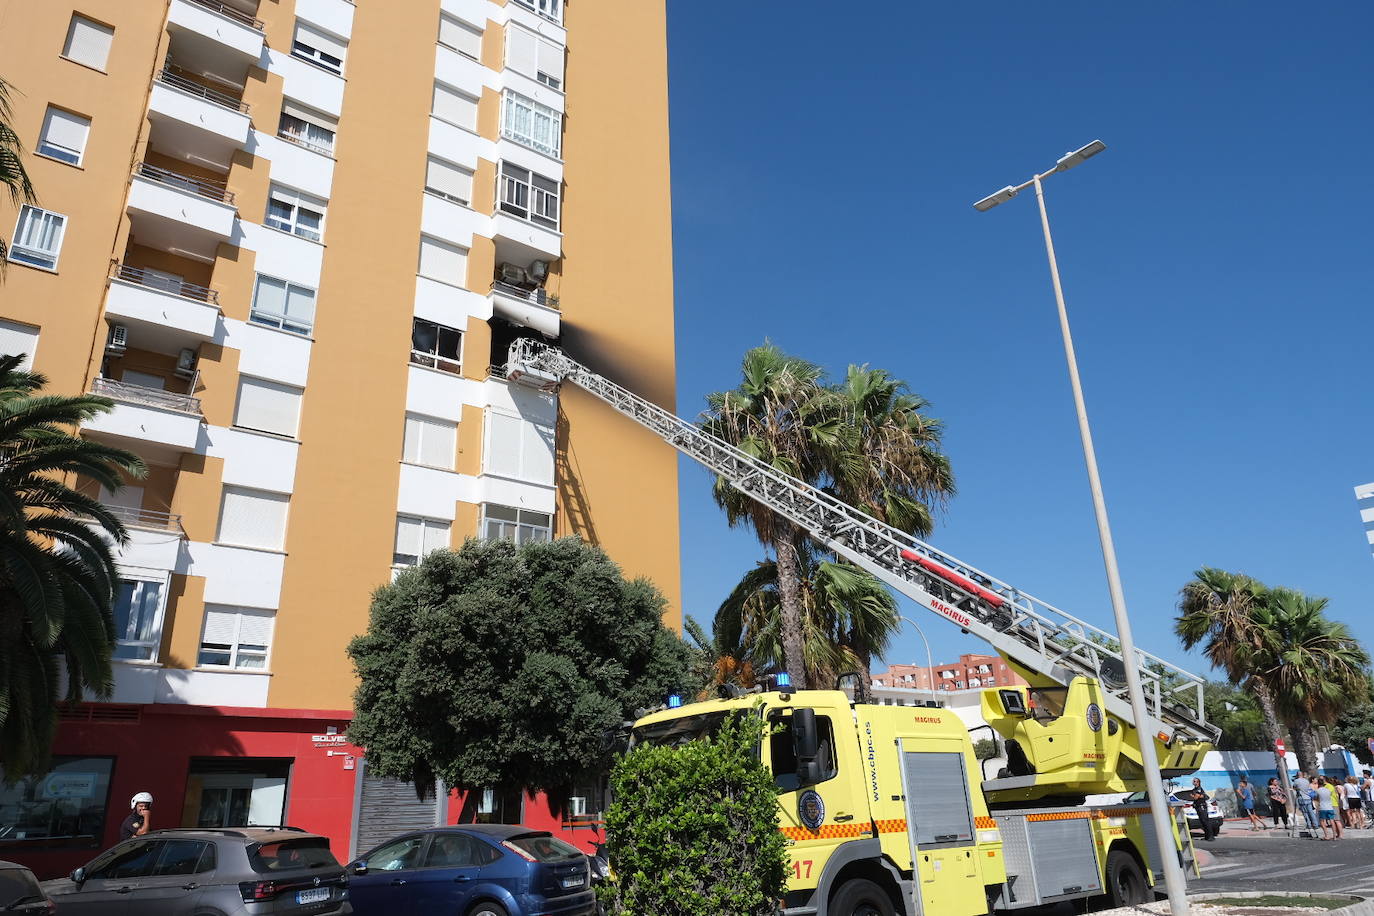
1278	745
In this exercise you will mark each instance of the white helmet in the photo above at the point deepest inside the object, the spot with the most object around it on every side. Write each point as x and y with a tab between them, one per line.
145	797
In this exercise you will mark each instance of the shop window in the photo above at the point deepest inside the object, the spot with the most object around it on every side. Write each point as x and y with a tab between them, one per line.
497	807
240	791
64	808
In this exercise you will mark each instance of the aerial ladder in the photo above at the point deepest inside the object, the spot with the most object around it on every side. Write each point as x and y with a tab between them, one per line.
1075	670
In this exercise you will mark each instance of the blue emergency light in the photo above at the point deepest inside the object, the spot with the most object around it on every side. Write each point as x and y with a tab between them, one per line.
674	701
784	680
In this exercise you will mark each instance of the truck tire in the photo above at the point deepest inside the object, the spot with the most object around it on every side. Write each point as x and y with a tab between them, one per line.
1126	885
860	897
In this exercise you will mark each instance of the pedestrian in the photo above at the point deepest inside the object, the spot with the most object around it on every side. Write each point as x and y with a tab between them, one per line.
1342	804
1198	796
1246	794
1354	803
140	818
1367	798
1304	793
1278	802
1326	809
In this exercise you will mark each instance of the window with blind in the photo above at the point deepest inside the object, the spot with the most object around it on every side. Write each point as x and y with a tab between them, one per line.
436	345
515	447
64	136
236	637
252	518
307	127
452	182
443	262
299	214
534	55
549	9
530	123
16	338
528	195
457	108
519	525
88	42
283	305
319	47
417	537
38	237
429	441
268	407
460	36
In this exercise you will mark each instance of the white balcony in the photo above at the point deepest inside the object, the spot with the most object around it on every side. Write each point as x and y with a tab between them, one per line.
547	243
155	538
196	123
530	308
217	29
179	213
147	416
162	314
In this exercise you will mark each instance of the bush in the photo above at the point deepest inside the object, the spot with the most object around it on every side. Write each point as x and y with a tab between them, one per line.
693	829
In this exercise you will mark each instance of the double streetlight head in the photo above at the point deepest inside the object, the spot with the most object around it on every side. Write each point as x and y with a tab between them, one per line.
1066	162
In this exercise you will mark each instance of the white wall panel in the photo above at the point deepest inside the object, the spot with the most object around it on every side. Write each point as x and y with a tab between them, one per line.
458	145
506	492
212	688
432	493
331	15
449	305
296	166
452	222
268	353
461	72
307	83
281	255
234	575
438	394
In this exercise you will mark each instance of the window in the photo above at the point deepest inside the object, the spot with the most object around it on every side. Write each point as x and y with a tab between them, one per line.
518	448
297	213
65	807
528	195
64	135
319	47
455	850
416	538
252	518
268	407
783	756
448	180
138	618
549	9
495	807
279	304
534	56
88	42
185	857
38	237
529	123
443	262
519	525
454	107
16	338
307	127
460	36
236	637
430	442
402	855
436	345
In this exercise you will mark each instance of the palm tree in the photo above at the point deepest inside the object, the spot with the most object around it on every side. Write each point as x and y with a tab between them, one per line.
13	177
722	655
57	573
783	415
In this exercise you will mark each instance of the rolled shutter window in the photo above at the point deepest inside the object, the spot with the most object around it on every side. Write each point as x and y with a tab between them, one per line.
522	53
551	61
460	36
88	42
454	106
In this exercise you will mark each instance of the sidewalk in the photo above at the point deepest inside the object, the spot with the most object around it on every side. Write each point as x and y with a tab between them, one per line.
1236	827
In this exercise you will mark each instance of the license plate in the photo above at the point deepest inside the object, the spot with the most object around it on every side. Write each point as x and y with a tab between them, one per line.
572	882
314	895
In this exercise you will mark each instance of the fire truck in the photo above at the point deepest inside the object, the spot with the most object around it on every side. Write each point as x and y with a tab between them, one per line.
886	809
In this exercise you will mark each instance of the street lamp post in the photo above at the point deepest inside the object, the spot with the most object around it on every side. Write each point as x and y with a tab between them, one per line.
930	665
1159	807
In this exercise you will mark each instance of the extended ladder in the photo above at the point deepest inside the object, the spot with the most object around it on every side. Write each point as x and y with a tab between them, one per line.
1027	630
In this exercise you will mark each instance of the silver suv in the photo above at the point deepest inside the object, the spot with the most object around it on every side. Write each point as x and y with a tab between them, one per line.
231	871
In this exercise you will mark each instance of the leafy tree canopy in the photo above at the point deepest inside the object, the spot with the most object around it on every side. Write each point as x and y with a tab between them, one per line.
498	666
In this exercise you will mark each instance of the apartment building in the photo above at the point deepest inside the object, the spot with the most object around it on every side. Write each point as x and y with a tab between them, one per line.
1364	498
970	672
292	240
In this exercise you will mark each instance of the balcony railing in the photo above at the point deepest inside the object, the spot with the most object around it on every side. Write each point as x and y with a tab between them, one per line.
148	519
230	13
204	187
165	284
146	397
222	99
537	296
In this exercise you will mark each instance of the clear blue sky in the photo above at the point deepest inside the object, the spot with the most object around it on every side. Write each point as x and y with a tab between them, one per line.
1216	260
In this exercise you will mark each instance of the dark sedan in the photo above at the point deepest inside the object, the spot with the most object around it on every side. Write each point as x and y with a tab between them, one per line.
473	869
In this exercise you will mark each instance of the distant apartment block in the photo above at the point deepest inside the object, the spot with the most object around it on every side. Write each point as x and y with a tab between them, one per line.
970	672
1364	496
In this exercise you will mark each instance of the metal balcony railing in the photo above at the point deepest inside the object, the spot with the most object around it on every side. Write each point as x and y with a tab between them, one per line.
203	187
147	397
163	284
537	296
148	519
230	13
222	99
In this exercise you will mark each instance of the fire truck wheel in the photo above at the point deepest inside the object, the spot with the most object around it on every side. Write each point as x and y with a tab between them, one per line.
1125	881
860	898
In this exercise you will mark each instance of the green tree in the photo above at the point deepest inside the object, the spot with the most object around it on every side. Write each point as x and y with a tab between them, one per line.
57	574
13	176
498	666
1237	715
693	829
720	657
1354	727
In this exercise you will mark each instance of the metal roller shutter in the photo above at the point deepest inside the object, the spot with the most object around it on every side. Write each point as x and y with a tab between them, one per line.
388	807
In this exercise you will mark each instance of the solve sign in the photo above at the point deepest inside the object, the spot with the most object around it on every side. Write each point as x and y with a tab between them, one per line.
328	740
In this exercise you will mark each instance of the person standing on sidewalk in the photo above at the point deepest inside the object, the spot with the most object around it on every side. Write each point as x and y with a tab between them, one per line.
1198	796
1246	794
1278	804
1367	798
1302	788
1326	809
1354	803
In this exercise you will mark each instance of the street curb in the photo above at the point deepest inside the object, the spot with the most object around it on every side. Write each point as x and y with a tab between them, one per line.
1359	906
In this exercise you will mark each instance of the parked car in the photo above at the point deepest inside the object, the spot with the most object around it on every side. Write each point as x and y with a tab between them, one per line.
475	870
1179	798
20	893
234	871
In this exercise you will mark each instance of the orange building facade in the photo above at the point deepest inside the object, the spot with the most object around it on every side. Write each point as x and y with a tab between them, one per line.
970	672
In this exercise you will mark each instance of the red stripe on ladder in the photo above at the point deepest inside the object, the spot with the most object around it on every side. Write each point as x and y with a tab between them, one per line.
954	578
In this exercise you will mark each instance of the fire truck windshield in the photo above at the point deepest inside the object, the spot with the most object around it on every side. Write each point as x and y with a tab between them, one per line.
672	732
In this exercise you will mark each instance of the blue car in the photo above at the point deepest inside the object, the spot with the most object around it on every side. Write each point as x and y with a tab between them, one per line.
473	870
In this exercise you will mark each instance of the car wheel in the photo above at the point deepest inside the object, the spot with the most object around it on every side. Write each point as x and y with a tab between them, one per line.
860	898
1126	884
488	909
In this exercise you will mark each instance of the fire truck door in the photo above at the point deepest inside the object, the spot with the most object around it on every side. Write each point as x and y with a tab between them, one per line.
940	827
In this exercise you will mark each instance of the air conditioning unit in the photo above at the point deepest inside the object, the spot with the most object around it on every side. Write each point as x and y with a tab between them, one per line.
513	274
539	271
186	363
119	339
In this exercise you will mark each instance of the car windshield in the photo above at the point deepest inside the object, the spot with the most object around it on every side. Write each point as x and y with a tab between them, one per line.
544	848
672	732
17	886
284	855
